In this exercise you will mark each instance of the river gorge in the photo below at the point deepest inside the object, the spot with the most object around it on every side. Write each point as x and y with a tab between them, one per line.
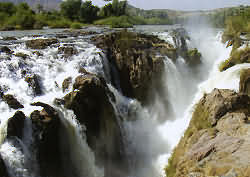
99	102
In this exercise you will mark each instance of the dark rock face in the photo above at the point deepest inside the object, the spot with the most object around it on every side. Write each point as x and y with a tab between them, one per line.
46	124
16	125
41	43
92	108
12	101
67	51
33	82
6	50
3	170
217	140
136	58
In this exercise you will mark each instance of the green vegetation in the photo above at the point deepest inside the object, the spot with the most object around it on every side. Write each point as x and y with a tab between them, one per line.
75	13
238	56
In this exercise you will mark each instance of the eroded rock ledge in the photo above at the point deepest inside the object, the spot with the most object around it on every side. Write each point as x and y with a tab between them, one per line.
217	141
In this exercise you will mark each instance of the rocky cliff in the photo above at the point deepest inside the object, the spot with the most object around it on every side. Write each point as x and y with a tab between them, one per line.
217	140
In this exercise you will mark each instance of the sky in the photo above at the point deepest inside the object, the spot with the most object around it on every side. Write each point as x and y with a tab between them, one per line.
182	4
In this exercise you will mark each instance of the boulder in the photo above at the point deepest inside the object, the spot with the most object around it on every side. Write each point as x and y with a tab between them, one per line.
217	141
34	83
16	125
41	43
90	101
67	51
21	55
66	83
46	125
137	59
6	50
12	101
3	169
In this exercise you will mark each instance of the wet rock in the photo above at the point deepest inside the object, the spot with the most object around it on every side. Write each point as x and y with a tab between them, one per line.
9	38
16	125
245	81
90	101
41	43
34	82
58	101
137	59
6	50
67	51
66	83
12	101
22	55
37	53
46	125
217	140
3	169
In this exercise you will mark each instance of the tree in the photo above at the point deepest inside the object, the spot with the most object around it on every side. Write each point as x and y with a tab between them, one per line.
71	9
8	8
88	12
39	8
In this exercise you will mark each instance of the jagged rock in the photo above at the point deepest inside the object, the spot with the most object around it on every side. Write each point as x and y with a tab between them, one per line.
217	141
137	60
67	51
12	101
3	169
21	55
90	101
34	83
6	50
245	81
46	125
41	43
66	83
16	125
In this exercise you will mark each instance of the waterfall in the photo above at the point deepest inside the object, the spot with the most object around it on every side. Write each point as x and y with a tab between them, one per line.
148	141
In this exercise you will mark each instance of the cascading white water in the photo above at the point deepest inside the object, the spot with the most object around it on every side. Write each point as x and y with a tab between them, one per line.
148	142
52	68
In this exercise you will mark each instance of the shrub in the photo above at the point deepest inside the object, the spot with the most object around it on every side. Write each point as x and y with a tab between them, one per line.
76	25
60	23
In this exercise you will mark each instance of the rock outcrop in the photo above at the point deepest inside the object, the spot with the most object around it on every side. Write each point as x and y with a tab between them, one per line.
46	125
90	101
16	125
217	141
34	84
41	43
12	101
245	81
67	51
6	50
138	59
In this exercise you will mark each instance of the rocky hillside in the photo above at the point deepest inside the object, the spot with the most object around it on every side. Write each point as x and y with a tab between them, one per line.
217	140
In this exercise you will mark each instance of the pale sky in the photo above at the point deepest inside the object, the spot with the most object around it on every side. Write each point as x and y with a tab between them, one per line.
182	4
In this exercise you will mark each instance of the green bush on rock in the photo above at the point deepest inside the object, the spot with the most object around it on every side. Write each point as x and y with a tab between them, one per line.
238	56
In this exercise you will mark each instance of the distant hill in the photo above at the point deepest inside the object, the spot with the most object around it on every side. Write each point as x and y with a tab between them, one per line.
47	4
